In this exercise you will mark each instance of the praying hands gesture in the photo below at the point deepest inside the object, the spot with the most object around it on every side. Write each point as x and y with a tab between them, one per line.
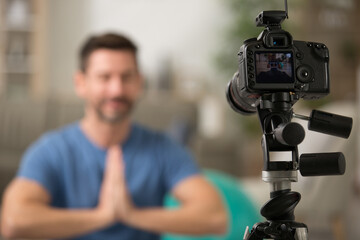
114	200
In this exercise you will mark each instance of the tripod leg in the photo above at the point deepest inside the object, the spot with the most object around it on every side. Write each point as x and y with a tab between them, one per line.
246	234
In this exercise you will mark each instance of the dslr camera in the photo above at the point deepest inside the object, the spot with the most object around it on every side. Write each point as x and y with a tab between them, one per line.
274	62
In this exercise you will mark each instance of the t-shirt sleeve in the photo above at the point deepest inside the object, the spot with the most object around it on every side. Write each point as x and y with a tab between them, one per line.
178	163
37	164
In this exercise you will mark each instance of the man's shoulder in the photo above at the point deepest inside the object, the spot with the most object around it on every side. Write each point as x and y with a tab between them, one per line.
58	137
50	146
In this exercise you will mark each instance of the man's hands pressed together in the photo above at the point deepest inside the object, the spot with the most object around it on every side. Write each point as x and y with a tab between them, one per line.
114	201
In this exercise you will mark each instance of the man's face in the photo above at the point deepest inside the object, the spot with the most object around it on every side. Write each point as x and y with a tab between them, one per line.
110	84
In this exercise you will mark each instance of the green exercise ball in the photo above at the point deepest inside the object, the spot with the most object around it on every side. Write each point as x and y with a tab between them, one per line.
241	210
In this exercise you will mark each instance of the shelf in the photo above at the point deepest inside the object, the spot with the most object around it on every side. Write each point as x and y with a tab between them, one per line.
22	54
18	72
17	30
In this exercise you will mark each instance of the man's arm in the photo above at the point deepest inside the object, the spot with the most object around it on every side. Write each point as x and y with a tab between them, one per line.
26	213
26	210
201	211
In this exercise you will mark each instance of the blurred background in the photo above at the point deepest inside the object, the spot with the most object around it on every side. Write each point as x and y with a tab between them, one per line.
188	53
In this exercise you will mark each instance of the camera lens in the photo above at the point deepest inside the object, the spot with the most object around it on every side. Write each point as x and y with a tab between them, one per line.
305	74
243	105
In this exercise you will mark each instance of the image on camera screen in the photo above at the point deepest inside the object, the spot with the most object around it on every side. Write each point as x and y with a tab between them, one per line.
274	67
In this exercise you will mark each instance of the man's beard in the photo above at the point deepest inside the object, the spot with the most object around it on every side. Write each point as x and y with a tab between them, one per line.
117	117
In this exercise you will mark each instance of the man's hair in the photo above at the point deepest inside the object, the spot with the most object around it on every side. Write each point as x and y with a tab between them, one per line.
110	41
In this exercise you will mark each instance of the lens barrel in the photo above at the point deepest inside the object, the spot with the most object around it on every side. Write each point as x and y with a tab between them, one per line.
239	104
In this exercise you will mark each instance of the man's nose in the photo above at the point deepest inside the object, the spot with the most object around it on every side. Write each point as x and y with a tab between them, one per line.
116	86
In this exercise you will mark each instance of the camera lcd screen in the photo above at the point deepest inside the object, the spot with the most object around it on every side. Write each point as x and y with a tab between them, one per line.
274	67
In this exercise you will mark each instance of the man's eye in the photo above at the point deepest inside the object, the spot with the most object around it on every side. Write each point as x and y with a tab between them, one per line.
127	77
105	77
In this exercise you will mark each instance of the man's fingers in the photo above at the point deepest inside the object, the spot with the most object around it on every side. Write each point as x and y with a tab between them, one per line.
114	163
115	182
114	157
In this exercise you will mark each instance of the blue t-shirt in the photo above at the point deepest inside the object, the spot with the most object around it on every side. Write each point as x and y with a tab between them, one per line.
71	167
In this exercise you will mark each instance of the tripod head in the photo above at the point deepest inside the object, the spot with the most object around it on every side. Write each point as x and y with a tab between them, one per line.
281	135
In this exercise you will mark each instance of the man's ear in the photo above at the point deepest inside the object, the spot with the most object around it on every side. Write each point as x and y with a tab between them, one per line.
141	84
79	83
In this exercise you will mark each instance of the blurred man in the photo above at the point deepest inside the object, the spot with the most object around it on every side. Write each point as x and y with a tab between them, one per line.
105	177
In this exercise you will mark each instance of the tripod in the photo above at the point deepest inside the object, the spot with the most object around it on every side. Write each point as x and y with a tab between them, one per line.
281	135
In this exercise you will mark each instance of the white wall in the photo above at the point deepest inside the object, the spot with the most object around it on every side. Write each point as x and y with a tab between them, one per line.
67	24
185	32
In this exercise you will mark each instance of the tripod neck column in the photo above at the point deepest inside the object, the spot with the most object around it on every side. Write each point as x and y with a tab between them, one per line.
279	180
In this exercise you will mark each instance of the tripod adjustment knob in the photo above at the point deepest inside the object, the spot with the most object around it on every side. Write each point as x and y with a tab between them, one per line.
322	164
291	134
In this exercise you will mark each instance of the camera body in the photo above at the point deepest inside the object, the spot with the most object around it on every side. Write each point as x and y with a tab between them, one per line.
274	62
